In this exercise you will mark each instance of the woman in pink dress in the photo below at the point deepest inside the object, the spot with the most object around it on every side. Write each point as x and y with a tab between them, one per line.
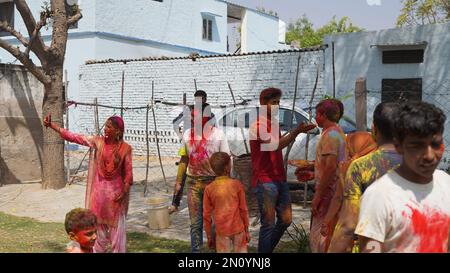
110	177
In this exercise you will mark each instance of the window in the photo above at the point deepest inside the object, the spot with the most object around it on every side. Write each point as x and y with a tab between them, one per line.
286	120
229	120
207	29
401	90
403	56
71	9
7	14
240	118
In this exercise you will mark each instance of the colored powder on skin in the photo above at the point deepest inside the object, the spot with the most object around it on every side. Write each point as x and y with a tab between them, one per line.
432	228
442	148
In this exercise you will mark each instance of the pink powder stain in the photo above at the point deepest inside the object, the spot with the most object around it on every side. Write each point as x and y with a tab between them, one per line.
432	228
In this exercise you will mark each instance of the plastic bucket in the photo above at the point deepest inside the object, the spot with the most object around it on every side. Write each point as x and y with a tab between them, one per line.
158	213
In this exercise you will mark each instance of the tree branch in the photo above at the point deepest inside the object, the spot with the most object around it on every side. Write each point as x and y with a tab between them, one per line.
37	30
6	27
38	47
26	61
75	18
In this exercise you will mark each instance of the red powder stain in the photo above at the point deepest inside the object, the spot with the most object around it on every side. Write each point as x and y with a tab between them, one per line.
432	227
442	148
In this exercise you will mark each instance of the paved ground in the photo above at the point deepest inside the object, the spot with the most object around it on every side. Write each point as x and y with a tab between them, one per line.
29	200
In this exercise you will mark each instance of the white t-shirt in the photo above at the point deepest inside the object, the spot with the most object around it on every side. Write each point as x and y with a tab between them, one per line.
405	216
200	151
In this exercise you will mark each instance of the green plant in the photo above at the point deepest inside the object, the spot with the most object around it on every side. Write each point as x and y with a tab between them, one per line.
300	237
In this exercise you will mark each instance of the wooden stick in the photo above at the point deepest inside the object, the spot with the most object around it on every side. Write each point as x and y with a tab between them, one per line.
195	85
286	156
242	129
305	190
66	89
121	94
157	140
148	151
334	71
97	126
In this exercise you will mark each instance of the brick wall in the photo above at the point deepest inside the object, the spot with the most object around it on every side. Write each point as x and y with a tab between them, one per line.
247	74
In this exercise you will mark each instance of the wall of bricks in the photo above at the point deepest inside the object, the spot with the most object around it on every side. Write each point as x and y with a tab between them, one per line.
247	75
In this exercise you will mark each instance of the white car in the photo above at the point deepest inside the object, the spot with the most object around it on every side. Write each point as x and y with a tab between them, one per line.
235	123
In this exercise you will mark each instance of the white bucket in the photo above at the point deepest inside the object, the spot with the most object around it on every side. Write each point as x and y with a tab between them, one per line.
158	213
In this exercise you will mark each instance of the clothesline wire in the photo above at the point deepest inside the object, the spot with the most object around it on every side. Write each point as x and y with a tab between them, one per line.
151	105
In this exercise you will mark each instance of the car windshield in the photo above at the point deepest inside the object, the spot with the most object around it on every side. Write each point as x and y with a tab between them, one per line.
246	116
347	124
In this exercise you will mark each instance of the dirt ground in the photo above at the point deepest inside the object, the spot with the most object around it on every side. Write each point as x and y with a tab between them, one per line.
29	200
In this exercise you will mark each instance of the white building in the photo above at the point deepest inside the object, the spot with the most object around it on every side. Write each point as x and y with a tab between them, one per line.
401	63
140	28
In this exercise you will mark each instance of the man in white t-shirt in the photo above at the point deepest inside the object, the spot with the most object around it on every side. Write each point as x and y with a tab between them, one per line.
408	210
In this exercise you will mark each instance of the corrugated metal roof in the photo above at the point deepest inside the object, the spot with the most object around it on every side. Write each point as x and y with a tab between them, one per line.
145	59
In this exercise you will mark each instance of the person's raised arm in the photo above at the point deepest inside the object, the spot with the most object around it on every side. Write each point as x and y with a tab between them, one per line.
80	139
289	138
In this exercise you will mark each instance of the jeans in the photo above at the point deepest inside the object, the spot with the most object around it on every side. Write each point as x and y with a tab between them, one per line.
196	189
274	202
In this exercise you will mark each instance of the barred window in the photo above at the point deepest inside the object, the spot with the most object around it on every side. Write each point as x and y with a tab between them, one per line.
207	29
401	90
403	56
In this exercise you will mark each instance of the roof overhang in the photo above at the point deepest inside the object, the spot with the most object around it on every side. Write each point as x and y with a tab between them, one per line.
210	14
235	12
396	46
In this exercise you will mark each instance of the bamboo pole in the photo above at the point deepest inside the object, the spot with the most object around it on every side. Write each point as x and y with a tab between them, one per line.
242	129
305	190
157	140
96	121
66	89
334	71
286	156
121	94
148	151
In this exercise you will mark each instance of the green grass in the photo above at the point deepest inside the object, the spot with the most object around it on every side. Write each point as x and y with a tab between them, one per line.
26	235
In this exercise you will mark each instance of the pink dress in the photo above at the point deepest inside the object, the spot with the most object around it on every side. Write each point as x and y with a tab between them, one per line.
101	191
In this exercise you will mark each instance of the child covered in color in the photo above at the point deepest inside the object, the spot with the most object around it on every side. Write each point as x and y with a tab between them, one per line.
81	226
224	205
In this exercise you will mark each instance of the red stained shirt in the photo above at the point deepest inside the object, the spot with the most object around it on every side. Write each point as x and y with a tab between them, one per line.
268	166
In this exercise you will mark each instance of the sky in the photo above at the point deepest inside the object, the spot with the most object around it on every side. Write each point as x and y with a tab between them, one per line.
368	14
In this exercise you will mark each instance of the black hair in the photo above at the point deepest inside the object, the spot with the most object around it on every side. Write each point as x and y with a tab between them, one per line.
200	93
383	118
268	94
419	119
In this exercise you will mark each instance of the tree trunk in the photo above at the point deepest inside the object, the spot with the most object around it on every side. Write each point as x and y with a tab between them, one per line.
53	146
